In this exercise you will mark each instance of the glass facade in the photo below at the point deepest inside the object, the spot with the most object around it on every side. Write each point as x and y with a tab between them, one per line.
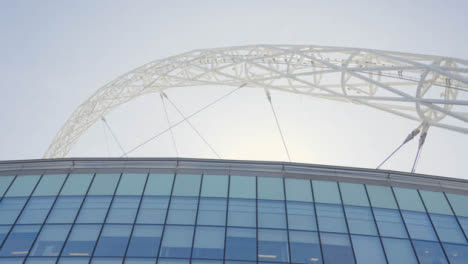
142	218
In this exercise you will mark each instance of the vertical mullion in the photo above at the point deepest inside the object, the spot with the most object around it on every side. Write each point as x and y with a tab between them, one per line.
316	219
455	215
196	217
12	225
167	213
227	215
346	221
287	221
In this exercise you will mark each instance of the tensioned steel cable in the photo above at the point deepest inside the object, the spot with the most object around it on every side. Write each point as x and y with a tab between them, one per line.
268	95
113	135
169	124
422	139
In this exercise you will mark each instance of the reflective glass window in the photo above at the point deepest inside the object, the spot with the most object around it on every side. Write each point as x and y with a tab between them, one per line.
241	244
242	187
331	218
94	209
368	250
194	261
4	229
177	242
50	240
131	184
104	184
390	223
271	214
360	220
336	248
298	190
19	241
435	202
173	261
11	260
457	254
22	185
113	240
10	208
5	182
429	252
73	260
270	188
98	260
145	241
153	210
305	247
140	261
326	192
159	184
208	243
214	186
187	185
77	184
448	229
41	260
419	225
65	209
123	209
301	216
409	199
464	224
353	194
381	196
399	251
49	185
273	245
36	210
459	203
82	240
182	210
212	211
242	212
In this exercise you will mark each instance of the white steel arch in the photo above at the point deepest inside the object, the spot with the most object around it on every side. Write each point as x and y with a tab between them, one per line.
423	88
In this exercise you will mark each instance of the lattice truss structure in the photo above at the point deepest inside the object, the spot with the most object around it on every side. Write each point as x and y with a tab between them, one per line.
424	88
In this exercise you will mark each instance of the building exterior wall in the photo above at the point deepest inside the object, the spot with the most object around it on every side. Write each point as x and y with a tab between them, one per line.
182	211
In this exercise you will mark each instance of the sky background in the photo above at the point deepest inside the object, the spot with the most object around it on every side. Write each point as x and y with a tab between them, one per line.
55	54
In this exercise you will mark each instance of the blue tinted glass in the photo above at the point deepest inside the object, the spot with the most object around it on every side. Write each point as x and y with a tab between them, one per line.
20	240
182	210
242	212
49	185
10	208
131	184
77	184
241	244
305	247
353	194
447	228
212	211
326	192
214	186
159	184
242	187
97	260
123	209
271	214
153	210
173	261
436	202
140	261
104	184
270	188
4	232
39	260
177	242
65	209
381	196
419	226
273	245
5	182
409	199
368	249
11	260
73	260
113	240
301	216
22	186
390	223
81	240
194	261
360	220
208	243
399	251
145	241
331	218
298	190
187	185
464	223
459	203
429	252
336	248
50	240
36	210
457	254
94	209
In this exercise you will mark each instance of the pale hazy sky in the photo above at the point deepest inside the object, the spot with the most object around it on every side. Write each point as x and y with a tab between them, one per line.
55	54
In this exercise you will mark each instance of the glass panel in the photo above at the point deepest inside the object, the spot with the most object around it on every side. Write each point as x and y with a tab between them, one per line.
159	184
173	261
298	190
301	216
271	214
457	254
399	251
242	212
20	240
435	202
408	199
381	196
419	226
94	209
354	194
429	252
50	240
241	244
73	260
326	192
208	243
145	241
77	184
4	232
464	223
36	260
81	240
140	261
459	203
336	248
177	242
448	229
123	209
273	245
390	223
106	261
153	210
368	250
11	260
49	185
131	184
113	241
194	261
187	185
5	182
10	208
305	247
212	211
270	188
214	186
331	218
36	210
242	187
104	184
360	220
65	209
183	210
23	185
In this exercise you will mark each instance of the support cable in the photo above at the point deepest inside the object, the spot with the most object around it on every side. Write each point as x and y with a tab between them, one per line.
268	95
169	124
422	139
113	135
